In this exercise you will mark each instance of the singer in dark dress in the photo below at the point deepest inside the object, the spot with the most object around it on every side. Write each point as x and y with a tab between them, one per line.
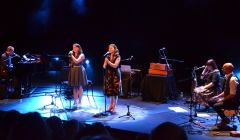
77	75
212	84
112	77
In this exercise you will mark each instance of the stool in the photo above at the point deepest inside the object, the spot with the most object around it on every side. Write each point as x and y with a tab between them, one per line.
232	113
89	85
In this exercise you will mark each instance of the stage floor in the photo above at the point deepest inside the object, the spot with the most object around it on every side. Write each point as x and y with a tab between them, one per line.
147	114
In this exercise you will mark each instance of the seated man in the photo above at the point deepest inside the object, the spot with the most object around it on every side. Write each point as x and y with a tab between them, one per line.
8	80
6	62
227	99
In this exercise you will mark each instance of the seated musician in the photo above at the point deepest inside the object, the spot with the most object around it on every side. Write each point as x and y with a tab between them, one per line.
212	86
228	99
7	62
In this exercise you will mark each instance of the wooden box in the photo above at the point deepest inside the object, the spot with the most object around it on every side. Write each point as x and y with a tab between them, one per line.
159	72
158	66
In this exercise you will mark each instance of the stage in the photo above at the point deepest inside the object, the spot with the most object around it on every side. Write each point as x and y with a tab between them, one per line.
147	114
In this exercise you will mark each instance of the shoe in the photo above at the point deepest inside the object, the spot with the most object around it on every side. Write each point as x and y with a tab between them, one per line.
109	109
113	112
223	123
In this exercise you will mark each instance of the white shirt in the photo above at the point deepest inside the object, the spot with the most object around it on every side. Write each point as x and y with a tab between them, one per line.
233	83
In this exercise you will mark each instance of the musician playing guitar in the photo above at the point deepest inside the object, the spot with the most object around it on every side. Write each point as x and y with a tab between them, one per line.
212	86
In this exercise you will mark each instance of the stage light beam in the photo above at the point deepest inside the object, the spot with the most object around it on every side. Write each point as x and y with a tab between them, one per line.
79	6
87	62
56	58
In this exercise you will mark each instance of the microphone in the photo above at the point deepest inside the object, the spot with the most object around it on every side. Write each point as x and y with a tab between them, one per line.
131	57
198	68
16	55
162	49
70	53
107	53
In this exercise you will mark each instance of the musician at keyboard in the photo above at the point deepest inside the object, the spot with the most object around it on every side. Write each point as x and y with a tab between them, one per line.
6	67
212	86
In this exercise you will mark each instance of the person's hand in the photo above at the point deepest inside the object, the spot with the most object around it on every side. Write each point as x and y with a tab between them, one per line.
70	53
220	100
213	98
106	60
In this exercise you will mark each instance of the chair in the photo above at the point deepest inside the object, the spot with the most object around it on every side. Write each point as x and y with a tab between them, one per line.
89	85
68	94
232	113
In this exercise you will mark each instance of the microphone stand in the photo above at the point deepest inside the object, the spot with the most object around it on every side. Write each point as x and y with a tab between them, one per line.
105	113
127	59
192	106
174	60
165	57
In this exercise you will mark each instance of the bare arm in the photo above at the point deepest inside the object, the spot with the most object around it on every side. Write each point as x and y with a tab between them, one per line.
218	96
105	63
209	85
79	59
204	72
115	64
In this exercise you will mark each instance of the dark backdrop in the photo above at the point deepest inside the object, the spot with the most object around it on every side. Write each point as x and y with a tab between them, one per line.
192	31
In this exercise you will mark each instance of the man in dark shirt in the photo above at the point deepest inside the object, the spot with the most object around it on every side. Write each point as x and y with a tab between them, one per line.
228	99
6	67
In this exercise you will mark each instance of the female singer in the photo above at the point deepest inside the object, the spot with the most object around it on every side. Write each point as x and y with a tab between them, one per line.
77	78
212	86
112	77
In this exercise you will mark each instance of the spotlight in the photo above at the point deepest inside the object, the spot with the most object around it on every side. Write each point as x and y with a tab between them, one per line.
56	58
237	73
87	62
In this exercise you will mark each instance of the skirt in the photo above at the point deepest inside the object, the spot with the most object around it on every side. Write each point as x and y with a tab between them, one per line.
77	76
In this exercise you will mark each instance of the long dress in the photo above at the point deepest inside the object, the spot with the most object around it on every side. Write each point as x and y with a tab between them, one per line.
77	75
112	79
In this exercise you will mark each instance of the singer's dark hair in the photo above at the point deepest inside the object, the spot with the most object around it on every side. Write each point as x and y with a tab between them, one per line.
212	63
79	46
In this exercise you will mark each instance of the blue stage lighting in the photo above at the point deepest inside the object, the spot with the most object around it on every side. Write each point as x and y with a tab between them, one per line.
87	62
56	58
237	74
79	6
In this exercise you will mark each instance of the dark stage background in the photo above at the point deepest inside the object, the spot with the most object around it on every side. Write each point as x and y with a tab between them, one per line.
192	31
